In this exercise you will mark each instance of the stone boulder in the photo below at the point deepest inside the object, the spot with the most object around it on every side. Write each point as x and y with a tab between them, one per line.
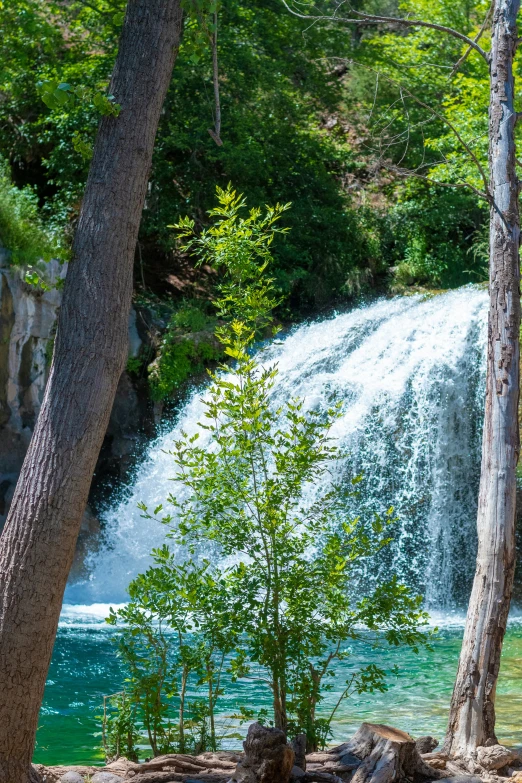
105	777
72	777
298	745
27	322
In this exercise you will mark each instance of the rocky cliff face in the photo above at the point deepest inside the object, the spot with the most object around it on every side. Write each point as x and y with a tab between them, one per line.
27	325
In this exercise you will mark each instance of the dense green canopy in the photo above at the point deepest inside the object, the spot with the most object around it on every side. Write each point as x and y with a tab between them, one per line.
325	115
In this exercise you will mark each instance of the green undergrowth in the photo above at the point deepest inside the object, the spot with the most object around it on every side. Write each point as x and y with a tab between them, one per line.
303	118
22	231
185	345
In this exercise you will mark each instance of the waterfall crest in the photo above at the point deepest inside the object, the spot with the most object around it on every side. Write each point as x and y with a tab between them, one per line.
410	372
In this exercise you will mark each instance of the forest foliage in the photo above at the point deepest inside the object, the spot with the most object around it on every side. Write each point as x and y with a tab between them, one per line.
326	116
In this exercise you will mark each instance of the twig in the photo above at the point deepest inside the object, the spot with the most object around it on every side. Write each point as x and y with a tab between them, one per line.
486	194
373	19
476	39
410	173
141	267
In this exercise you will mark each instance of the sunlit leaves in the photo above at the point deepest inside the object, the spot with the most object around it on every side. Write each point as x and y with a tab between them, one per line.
57	95
420	106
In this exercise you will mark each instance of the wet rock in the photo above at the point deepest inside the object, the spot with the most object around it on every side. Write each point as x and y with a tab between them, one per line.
27	320
27	325
495	757
426	744
268	758
28	317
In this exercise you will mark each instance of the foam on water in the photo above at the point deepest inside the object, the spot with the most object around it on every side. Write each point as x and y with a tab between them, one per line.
86	615
410	372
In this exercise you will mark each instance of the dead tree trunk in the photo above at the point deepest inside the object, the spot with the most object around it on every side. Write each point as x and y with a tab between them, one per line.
472	714
37	545
387	755
267	759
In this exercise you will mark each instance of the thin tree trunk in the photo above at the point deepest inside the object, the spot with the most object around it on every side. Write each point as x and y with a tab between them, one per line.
184	680
280	716
472	714
37	545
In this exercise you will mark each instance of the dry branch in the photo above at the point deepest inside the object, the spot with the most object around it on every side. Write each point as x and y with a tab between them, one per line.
362	18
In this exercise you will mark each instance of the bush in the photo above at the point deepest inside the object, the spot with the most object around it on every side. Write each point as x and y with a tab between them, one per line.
187	348
119	732
435	237
176	631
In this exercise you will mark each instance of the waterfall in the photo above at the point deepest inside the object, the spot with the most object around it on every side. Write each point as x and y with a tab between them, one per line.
410	372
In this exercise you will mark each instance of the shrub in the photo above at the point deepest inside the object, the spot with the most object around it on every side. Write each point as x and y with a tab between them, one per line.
119	731
187	348
287	559
176	632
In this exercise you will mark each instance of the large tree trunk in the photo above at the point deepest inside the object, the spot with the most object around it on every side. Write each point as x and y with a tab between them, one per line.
472	715
37	545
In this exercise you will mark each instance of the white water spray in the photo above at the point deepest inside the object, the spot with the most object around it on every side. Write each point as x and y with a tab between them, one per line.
410	372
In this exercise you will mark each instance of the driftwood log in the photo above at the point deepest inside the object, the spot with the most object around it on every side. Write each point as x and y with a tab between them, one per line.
211	767
375	754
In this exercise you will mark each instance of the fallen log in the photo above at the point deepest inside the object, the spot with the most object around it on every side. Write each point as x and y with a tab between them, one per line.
495	757
171	777
318	777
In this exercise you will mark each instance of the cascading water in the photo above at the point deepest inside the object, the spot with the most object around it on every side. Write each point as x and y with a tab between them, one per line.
410	372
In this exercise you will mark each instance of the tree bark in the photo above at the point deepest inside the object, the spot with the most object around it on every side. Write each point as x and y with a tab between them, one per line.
267	758
37	545
472	713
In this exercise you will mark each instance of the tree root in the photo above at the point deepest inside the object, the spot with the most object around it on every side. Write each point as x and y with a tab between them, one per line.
375	754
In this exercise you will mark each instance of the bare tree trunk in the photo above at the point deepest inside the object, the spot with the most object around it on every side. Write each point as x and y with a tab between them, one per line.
472	714
388	755
37	545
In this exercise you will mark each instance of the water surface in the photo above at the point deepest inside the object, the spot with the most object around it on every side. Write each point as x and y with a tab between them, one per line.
84	669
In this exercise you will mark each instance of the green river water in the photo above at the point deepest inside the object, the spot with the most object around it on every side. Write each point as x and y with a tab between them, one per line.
84	668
